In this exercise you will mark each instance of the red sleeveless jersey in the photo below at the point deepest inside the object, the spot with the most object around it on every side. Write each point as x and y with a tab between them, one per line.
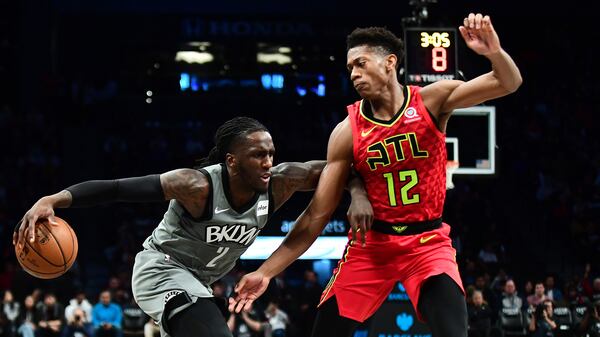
402	161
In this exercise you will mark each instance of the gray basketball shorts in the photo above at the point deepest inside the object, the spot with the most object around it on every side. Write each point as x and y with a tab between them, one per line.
157	278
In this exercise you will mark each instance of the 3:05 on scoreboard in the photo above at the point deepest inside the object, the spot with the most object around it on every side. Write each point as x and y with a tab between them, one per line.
430	55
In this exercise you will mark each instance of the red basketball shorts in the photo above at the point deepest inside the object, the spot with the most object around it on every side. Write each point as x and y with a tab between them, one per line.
365	276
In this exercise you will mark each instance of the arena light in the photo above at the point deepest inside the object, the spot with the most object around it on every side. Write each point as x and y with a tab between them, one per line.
272	81
194	57
184	81
326	247
266	81
194	83
273	58
277	81
301	91
321	90
273	53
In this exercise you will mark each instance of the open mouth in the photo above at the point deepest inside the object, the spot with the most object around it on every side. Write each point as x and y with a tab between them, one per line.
265	177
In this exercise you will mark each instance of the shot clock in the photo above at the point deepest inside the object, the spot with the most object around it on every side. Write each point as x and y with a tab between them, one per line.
430	55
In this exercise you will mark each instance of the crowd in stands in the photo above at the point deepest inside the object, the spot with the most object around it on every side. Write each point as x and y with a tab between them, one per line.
498	306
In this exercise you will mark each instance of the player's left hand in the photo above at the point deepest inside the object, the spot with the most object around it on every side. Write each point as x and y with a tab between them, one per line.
479	34
248	289
360	217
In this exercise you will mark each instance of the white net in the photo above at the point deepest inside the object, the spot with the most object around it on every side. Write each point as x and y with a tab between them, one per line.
451	167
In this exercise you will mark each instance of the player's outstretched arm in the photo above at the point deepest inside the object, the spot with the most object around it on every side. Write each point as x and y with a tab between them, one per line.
185	185
310	223
505	78
290	177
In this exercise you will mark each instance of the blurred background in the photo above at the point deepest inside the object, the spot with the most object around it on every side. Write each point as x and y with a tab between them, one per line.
118	88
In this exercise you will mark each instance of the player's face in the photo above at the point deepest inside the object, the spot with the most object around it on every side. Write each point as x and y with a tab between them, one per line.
254	160
370	71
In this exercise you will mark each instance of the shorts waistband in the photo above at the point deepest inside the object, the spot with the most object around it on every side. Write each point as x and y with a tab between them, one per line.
408	228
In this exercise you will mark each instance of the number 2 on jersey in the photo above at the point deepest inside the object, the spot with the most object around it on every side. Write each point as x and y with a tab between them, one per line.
221	252
405	199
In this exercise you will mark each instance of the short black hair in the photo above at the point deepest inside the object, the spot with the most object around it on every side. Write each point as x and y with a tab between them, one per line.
377	37
228	135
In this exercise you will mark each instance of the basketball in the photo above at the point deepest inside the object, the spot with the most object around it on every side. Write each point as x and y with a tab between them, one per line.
52	253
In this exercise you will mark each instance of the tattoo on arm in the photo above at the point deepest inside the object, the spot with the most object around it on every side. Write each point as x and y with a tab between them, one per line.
188	186
292	176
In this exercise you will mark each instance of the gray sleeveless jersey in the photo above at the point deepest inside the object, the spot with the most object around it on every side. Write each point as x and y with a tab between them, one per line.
210	246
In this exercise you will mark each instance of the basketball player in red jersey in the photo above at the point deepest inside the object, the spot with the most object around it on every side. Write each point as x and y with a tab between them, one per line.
394	137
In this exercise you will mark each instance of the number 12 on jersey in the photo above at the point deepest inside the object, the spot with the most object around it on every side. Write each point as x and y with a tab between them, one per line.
411	179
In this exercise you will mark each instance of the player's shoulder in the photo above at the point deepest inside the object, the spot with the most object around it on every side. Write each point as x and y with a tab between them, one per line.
435	94
343	126
186	179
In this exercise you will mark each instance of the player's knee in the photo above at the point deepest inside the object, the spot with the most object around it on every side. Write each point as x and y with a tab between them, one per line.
193	319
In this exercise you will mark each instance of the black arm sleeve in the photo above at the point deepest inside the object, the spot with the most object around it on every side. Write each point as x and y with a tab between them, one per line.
138	189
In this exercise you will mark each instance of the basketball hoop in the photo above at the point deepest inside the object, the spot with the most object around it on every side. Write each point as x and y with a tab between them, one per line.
451	167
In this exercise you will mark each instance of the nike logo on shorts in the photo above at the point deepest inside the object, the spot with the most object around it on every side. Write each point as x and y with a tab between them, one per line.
425	239
365	133
217	210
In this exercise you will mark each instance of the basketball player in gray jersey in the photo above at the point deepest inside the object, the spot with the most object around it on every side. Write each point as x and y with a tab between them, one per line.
215	212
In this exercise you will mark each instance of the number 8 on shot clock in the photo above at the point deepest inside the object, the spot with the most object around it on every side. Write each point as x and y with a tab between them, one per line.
430	55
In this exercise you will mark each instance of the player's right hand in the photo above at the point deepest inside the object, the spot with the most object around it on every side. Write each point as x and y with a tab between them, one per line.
360	217
25	230
248	289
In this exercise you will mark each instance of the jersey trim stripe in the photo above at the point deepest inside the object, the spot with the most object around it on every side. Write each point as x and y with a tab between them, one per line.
271	200
208	210
394	119
334	276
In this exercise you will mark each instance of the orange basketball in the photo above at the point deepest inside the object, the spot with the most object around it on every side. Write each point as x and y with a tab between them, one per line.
52	253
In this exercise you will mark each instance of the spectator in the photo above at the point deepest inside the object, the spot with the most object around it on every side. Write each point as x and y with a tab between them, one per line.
106	317
487	254
278	319
527	289
586	284
27	316
11	310
480	316
552	292
596	290
79	302
510	299
247	324
538	296
5	329
482	285
574	297
49	317
590	324
542	324
78	324
118	294
36	295
310	294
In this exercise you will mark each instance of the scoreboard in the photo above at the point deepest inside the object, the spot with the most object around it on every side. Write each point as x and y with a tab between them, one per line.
431	55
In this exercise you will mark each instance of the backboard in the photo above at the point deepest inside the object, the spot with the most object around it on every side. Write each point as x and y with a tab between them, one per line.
471	140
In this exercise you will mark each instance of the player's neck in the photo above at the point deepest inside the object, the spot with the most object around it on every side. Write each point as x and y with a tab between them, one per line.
388	102
240	193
